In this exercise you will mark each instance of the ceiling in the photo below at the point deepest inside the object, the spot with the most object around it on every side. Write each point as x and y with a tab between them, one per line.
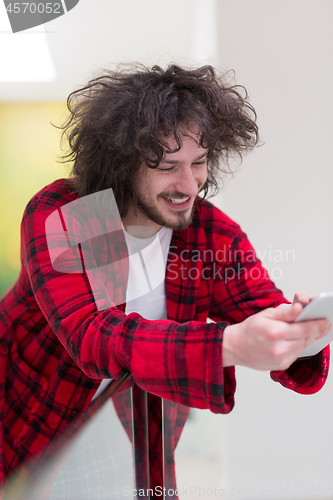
99	34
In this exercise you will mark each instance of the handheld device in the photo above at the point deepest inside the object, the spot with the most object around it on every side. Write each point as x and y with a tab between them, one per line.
319	307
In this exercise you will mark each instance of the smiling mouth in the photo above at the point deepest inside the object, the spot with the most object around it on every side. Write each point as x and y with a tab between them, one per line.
178	201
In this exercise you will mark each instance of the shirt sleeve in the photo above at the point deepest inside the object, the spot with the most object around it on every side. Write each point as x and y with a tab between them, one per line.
244	288
179	362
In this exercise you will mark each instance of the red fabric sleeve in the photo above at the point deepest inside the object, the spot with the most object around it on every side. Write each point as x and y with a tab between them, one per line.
305	376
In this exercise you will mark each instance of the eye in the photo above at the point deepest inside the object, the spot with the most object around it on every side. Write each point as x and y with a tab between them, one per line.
165	169
201	162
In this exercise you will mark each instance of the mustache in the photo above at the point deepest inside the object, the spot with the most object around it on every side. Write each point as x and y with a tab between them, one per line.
177	194
174	194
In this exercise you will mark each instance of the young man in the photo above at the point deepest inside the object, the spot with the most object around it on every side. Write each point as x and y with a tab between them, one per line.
154	140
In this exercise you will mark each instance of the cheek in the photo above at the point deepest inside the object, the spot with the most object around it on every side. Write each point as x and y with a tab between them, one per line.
203	177
161	186
147	187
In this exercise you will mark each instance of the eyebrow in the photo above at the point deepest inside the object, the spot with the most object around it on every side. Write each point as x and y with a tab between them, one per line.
173	162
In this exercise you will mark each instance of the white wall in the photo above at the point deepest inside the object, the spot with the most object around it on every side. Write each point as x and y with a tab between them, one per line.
280	443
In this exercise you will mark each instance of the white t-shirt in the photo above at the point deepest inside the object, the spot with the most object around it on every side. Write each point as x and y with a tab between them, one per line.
145	293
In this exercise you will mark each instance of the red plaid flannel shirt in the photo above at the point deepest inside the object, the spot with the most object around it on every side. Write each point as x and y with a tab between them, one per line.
55	346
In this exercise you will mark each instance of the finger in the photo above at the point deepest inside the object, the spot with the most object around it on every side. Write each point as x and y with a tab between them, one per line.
302	298
308	331
285	312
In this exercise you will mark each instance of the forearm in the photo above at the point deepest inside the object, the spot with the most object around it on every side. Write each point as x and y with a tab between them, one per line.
229	356
180	362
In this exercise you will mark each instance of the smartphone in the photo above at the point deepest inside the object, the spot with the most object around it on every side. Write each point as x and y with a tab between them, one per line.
319	307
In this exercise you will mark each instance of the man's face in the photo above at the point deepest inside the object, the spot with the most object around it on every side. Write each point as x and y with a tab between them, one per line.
166	193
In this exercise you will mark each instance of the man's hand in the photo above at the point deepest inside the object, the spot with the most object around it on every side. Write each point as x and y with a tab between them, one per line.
269	340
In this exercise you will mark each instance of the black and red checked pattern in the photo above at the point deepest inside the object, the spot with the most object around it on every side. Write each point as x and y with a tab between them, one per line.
56	346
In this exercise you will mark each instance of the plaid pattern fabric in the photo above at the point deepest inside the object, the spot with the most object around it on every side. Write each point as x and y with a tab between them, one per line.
56	346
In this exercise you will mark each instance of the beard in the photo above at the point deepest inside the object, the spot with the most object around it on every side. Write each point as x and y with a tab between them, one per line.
184	219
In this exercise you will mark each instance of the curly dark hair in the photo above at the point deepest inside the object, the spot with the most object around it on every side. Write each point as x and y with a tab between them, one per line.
122	118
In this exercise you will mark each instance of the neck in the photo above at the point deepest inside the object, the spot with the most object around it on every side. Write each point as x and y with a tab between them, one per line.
137	225
140	231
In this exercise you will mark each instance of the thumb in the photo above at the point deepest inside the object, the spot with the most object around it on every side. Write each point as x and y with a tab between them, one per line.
286	312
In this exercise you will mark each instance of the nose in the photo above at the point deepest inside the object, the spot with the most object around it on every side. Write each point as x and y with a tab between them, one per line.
187	182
